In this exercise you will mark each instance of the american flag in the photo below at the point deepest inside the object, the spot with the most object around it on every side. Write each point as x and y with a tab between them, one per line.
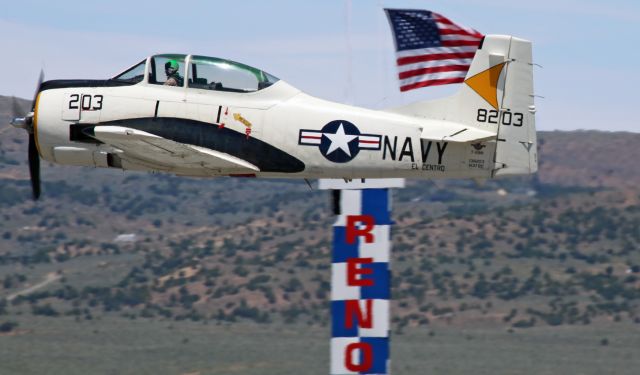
430	49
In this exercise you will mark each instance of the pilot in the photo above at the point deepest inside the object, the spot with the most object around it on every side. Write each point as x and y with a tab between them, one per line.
171	69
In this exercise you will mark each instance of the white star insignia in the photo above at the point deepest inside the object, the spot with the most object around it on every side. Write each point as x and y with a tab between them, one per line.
339	140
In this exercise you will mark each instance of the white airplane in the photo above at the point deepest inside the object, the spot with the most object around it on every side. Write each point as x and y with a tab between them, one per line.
203	116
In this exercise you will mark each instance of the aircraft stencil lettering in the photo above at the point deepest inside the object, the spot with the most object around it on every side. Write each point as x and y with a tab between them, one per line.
238	117
406	151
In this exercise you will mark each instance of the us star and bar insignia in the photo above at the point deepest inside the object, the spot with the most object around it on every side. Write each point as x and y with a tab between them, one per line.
339	141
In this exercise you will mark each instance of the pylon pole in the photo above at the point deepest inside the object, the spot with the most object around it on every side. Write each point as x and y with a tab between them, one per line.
361	276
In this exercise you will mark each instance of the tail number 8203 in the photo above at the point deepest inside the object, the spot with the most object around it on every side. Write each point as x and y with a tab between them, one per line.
503	118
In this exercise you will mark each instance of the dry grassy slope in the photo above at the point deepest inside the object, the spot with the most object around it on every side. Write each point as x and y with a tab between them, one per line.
6	105
590	158
237	229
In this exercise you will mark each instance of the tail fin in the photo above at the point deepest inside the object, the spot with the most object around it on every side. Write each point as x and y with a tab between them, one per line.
497	96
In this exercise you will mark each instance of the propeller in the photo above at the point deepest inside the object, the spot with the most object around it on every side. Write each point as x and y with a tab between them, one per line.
26	123
34	167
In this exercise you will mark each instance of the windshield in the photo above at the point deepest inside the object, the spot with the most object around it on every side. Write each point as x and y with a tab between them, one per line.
134	74
210	73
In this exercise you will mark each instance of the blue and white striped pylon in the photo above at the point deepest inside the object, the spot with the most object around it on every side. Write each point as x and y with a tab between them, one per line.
360	283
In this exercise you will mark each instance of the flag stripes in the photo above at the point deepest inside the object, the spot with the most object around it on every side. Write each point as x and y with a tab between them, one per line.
431	49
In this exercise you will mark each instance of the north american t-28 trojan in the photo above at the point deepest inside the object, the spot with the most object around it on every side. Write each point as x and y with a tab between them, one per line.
203	116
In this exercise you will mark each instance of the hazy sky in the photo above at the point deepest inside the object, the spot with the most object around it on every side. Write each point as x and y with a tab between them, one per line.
589	50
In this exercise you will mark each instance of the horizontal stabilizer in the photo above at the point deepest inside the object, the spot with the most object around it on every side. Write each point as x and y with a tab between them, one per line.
452	132
153	149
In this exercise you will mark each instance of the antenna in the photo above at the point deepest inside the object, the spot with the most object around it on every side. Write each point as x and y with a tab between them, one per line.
349	88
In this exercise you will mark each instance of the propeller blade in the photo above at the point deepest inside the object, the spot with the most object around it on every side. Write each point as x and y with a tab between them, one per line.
34	166
16	109
35	96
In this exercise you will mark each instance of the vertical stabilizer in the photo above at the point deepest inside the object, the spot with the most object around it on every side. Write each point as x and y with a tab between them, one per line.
516	151
496	96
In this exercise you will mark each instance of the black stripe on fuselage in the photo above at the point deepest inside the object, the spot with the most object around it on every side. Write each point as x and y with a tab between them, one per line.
71	83
261	154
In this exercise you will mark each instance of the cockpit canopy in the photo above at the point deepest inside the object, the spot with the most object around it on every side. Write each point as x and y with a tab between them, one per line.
201	72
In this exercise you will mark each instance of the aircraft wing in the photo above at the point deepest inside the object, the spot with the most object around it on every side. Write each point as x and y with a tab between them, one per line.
454	132
152	149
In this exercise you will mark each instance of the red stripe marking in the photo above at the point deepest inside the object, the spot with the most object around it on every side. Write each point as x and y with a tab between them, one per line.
446	21
373	142
459	32
435	69
433	82
434	57
440	18
460	43
311	137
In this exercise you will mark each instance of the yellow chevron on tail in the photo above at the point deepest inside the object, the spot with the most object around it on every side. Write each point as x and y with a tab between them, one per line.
485	84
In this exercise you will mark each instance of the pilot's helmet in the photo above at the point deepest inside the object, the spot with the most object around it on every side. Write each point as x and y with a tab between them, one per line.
171	67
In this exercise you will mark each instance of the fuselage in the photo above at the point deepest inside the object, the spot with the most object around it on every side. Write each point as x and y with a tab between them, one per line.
281	130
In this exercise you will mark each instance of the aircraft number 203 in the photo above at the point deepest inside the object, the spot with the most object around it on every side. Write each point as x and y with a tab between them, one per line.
76	100
504	118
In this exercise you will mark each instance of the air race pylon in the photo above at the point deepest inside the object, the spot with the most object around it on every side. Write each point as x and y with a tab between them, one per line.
361	277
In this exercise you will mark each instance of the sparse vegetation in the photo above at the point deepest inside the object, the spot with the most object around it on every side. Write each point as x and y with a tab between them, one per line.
235	252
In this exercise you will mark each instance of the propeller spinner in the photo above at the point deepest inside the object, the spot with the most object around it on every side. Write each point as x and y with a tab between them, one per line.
26	123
